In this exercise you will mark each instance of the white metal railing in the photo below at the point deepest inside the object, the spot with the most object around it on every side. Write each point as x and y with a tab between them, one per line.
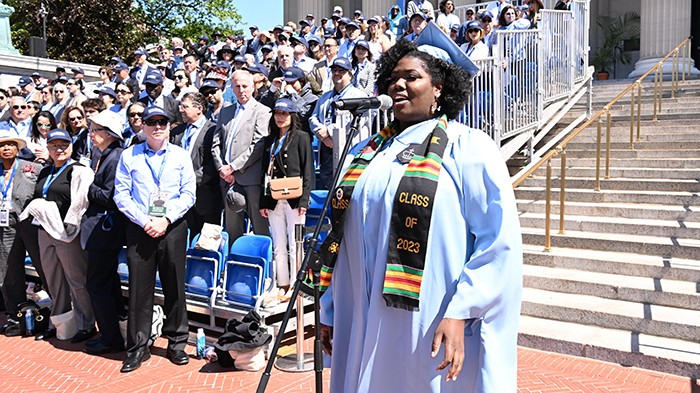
480	112
558	46
582	20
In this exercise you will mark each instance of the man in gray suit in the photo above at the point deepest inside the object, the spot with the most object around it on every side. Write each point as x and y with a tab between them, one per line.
19	181
237	156
196	135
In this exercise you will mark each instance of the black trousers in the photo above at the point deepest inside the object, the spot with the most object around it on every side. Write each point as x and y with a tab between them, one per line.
326	166
195	220
144	255
26	241
105	291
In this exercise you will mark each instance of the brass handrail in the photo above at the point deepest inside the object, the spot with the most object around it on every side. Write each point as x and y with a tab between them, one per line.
561	147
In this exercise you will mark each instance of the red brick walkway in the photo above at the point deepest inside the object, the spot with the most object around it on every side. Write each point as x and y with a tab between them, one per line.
57	366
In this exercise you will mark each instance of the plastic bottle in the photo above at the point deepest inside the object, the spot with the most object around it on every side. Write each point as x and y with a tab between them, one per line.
200	343
29	322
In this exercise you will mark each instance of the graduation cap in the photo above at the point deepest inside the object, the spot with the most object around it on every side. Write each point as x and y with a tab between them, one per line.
436	43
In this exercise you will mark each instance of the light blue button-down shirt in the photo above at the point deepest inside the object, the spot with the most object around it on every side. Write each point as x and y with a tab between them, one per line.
134	182
22	129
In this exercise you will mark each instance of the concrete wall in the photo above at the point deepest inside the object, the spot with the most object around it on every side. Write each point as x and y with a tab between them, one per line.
14	66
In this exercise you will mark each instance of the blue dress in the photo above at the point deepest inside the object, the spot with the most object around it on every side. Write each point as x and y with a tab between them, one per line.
473	271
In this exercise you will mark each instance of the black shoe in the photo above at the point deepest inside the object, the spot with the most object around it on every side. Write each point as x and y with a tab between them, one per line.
51	333
13	331
134	359
100	348
93	341
10	323
83	335
178	356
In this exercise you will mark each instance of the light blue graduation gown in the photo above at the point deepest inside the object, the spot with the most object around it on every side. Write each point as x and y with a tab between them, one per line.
473	271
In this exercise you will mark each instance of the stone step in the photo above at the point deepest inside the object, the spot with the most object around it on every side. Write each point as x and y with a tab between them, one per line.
630	226
636	153
662	292
663	321
648	245
623	136
666	163
576	170
684	214
644	145
613	196
623	263
626	347
619	184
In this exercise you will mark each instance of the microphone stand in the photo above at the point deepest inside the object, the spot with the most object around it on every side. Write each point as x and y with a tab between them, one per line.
311	261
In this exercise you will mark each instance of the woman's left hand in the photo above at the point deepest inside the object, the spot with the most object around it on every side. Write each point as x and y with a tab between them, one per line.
450	332
302	211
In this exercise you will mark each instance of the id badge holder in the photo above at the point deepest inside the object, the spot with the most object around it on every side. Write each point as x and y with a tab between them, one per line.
4	218
85	160
157	206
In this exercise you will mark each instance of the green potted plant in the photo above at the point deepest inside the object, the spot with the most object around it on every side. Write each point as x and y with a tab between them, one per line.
616	31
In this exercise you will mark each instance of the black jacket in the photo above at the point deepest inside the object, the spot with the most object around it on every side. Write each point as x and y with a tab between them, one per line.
294	159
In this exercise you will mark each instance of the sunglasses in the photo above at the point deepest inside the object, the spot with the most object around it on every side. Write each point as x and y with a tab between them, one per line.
338	70
62	146
473	31
155	122
70	84
119	91
15	107
75	118
180	77
209	92
59	91
136	114
103	72
43	125
2	97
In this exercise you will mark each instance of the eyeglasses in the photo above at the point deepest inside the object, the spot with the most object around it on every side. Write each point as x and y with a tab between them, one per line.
59	91
209	92
120	91
510	13
95	130
43	125
136	114
75	118
103	72
180	77
2	97
329	46
157	122
185	107
62	146
338	70
473	31
70	84
15	107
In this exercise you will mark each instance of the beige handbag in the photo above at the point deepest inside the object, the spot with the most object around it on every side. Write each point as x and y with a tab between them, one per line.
286	188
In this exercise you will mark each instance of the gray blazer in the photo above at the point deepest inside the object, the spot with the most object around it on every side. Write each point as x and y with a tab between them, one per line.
23	186
247	152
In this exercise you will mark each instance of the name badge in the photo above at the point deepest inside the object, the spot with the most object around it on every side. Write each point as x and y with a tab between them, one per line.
84	160
157	206
4	218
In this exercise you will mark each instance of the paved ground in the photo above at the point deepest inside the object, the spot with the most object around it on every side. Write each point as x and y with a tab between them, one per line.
57	366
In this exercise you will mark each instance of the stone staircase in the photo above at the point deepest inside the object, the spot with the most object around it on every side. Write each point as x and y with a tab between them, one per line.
622	284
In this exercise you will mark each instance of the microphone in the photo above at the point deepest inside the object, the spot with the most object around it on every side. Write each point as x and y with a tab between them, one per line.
382	102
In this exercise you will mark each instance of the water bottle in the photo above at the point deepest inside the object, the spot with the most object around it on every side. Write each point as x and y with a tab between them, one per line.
200	343
29	322
210	355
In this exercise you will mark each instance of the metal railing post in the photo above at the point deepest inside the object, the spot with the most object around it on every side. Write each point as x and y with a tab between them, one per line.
661	85
548	209
656	92
607	145
597	155
639	110
562	191
632	103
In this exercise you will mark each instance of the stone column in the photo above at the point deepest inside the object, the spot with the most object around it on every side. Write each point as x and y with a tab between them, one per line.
5	35
664	24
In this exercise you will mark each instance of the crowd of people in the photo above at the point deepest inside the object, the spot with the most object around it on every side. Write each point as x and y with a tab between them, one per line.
154	149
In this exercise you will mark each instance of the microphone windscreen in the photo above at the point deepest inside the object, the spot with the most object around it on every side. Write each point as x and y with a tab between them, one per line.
385	102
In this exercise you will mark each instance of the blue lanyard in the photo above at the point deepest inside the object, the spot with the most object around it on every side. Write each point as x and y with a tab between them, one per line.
9	184
279	146
156	178
189	133
53	177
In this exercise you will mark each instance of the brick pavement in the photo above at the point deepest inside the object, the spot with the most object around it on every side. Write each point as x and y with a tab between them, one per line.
57	366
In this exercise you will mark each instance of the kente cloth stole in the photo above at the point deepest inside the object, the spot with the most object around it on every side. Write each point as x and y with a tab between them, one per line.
410	222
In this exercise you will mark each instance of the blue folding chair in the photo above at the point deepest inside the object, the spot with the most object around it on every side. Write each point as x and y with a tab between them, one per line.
203	268
313	215
248	266
123	266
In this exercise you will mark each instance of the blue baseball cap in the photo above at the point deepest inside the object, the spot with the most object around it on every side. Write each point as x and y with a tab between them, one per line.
24	81
140	52
421	14
344	20
342	62
259	69
486	14
286	105
362	44
153	111
59	134
223	64
121	67
454	27
300	40
353	25
106	90
474	24
207	84
293	73
266	47
153	78
328	32
239	59
304	22
314	38
77	70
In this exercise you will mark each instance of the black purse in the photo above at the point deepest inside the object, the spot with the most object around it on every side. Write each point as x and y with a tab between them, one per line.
40	315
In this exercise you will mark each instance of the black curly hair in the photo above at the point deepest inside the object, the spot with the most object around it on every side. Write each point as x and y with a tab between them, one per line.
456	81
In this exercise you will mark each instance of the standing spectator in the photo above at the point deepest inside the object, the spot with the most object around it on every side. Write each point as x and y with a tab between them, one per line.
301	60
322	70
533	13
75	88
299	91
155	97
239	128
108	97
378	41
447	18
28	89
182	85
106	76
211	90
18	237
418	22
191	64
47	100
363	68
287	153
497	7
353	35
142	68
385	24
395	15
78	73
470	14
563	5
4	101
154	187
124	98
60	200
42	123
122	76
133	130
424	6
475	47
60	100
102	235
285	59
316	53
324	115
196	135
19	122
